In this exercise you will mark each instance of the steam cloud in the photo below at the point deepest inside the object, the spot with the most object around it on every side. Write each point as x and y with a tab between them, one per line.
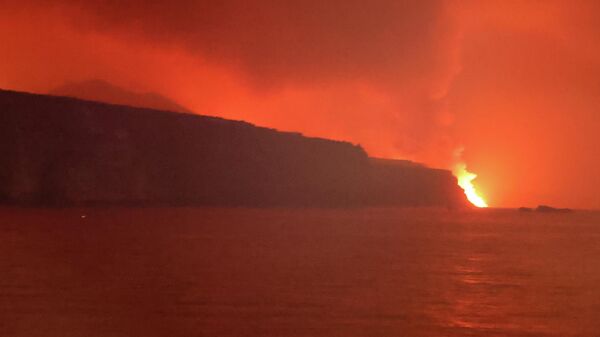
515	82
326	68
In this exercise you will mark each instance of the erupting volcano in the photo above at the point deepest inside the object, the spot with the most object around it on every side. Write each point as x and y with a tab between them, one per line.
465	181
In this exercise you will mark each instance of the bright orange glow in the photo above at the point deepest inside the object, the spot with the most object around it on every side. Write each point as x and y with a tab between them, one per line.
405	80
465	181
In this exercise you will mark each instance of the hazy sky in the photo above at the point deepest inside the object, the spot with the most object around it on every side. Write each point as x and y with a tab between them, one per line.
515	83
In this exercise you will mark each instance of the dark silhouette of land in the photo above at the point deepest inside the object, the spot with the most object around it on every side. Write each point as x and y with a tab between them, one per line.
545	209
65	151
102	91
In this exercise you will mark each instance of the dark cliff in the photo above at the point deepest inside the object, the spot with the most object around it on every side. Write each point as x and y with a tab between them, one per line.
64	151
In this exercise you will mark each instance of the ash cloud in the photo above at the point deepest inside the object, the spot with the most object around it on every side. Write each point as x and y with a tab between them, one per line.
402	50
390	42
515	82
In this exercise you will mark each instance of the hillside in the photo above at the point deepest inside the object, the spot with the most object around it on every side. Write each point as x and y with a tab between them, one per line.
102	91
65	151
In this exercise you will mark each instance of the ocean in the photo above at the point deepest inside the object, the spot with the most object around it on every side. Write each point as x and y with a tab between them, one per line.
298	272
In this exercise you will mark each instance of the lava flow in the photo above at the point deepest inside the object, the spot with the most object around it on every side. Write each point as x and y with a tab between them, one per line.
465	181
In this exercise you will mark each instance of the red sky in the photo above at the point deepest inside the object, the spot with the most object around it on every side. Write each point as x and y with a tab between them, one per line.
515	83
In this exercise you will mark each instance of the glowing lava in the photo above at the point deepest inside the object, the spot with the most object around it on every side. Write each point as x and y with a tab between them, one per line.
465	179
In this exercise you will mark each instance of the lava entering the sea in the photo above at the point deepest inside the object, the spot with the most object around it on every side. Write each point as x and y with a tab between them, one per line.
465	181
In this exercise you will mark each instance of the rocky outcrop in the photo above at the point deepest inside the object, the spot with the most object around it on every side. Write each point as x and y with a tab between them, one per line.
545	209
65	151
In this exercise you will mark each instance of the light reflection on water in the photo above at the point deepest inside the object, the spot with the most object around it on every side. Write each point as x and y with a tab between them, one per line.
248	272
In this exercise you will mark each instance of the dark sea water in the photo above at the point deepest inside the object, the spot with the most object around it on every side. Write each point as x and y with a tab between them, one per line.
251	272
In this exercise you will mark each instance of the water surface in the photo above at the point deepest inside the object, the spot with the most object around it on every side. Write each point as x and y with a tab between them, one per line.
281	272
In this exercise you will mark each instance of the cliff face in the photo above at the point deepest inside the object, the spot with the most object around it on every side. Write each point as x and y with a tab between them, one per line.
64	151
394	182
